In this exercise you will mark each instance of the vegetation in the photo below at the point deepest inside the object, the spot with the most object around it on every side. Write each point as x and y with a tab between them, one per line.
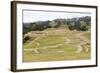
81	24
59	39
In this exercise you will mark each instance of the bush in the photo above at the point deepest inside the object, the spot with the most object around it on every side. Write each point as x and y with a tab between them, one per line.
83	26
71	26
26	38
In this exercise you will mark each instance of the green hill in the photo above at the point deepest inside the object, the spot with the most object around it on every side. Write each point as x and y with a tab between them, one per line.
55	44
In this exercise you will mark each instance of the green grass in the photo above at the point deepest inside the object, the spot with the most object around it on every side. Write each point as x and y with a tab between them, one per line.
50	40
30	57
66	51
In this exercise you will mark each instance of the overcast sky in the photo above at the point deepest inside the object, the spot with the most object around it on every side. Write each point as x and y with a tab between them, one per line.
33	16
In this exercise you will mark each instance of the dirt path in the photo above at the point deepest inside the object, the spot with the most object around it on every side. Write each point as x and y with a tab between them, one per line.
84	41
36	50
38	38
66	41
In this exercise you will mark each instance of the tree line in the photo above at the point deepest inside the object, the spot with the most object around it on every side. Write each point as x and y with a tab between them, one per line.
80	24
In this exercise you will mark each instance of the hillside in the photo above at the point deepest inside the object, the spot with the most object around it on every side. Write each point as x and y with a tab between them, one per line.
55	44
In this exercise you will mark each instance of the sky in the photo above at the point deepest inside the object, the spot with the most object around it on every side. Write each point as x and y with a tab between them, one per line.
33	16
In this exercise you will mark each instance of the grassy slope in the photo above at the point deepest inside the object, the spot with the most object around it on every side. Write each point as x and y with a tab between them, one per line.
52	37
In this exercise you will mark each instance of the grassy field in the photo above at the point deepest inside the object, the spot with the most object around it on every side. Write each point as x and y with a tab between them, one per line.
57	44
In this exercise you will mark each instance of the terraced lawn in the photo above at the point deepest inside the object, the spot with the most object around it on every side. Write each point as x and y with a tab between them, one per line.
57	45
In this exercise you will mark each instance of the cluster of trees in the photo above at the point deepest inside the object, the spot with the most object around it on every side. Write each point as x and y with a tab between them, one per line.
81	24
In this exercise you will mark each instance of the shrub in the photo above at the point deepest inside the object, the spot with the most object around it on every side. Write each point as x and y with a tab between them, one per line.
71	26
83	26
26	38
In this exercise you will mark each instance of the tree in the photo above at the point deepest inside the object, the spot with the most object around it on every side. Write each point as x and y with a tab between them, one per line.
83	26
71	26
53	24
